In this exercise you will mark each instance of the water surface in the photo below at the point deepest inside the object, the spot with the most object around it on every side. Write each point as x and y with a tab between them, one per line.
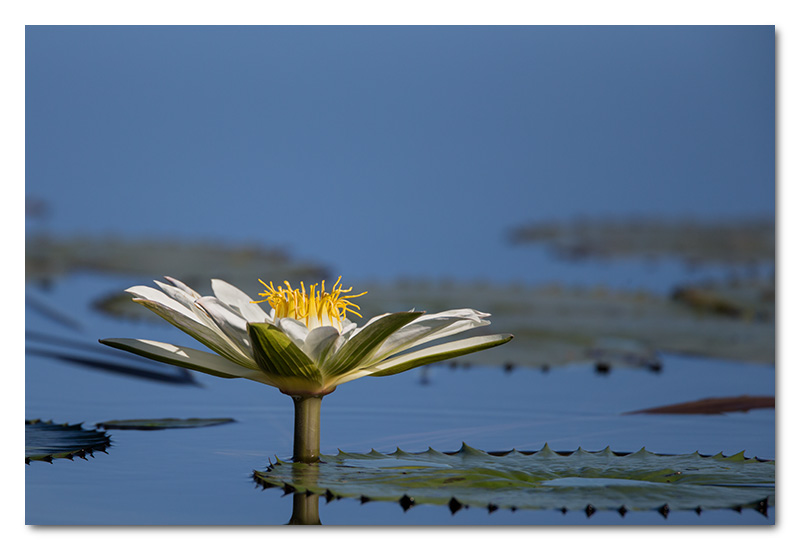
203	475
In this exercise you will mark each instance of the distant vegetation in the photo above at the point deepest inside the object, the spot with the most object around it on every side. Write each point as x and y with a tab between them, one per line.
739	241
732	319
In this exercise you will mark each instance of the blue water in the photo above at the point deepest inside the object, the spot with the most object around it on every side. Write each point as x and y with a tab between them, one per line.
202	476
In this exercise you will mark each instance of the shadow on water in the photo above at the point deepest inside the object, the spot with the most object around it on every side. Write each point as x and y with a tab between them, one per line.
148	370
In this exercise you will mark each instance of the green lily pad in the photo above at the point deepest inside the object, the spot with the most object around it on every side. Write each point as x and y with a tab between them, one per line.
162	423
45	441
544	479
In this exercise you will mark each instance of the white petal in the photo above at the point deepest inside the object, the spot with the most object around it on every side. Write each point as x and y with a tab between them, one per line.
465	319
318	342
431	327
206	332
465	313
236	298
428	355
348	325
230	322
154	295
294	329
184	287
410	335
188	358
349	329
179	295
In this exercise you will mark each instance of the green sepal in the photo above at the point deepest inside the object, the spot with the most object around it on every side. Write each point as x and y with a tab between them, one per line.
278	356
356	350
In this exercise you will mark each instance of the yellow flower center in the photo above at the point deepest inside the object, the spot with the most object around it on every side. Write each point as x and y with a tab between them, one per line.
315	308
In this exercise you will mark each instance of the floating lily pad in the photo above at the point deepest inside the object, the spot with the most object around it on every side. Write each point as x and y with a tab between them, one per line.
162	423
714	405
735	242
578	480
47	257
554	325
752	299
46	441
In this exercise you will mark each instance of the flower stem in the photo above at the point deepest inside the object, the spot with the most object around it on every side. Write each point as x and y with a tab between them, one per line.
306	427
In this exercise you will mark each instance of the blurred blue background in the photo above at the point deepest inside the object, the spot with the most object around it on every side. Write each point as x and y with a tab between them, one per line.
395	151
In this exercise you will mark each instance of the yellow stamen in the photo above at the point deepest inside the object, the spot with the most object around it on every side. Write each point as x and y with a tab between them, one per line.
316	307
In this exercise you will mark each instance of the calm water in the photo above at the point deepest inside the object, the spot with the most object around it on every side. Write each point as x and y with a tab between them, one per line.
202	476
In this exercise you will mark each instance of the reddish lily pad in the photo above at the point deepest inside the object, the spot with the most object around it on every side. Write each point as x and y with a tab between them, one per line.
162	423
714	405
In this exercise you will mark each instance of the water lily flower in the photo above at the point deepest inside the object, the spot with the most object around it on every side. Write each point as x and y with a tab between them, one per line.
305	346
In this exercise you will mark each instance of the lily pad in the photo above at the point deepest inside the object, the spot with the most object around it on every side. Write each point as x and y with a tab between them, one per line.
48	257
752	299
734	242
554	325
162	423
578	480
45	441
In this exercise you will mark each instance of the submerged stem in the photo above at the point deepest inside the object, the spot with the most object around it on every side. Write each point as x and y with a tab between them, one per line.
306	427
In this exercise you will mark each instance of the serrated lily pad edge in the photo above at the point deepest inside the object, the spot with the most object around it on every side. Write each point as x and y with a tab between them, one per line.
80	453
406	502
